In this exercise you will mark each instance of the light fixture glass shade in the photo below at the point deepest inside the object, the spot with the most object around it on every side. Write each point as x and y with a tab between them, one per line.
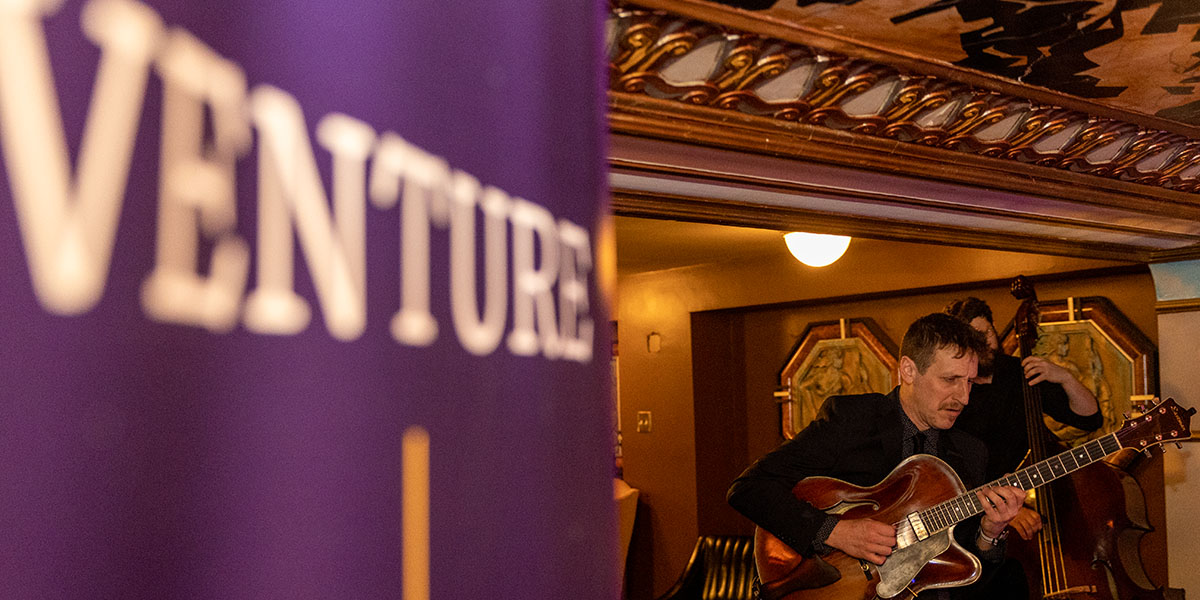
816	249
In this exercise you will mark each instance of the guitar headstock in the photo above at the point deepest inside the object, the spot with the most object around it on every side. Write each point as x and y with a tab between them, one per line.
1164	422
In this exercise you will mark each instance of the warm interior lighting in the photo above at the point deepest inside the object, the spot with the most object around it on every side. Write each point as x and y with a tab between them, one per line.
816	249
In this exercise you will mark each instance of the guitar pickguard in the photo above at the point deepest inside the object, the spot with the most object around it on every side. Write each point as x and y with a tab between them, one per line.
903	565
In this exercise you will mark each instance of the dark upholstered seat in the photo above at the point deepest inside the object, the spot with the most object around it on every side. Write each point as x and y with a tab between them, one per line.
721	568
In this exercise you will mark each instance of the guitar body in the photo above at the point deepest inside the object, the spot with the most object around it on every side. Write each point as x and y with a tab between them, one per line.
917	483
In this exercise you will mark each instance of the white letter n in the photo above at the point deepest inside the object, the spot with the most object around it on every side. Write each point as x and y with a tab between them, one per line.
289	183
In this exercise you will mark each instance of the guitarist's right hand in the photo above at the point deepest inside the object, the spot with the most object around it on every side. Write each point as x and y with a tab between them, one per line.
864	539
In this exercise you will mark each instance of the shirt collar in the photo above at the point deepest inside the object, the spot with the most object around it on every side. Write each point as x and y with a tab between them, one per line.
910	432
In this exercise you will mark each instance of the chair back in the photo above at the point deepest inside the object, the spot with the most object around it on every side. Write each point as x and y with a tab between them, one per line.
721	568
730	571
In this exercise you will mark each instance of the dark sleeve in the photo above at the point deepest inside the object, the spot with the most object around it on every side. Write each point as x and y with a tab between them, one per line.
1056	404
967	531
969	458
763	493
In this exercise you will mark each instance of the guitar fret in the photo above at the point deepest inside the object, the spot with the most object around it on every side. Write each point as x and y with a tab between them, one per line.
1043	473
1056	467
958	510
1082	456
946	514
1023	480
1073	465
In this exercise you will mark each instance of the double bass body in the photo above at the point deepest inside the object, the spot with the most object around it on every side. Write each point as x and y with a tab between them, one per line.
1093	523
1089	547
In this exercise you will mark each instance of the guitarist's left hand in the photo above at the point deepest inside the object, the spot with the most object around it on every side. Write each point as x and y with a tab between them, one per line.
1000	505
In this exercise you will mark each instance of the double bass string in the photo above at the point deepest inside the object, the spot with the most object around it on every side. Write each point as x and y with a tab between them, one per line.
1050	550
1053	566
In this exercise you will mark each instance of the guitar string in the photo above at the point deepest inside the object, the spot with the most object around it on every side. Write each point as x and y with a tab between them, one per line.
1041	473
950	512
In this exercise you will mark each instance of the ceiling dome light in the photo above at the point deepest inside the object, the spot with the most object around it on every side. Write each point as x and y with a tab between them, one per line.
816	249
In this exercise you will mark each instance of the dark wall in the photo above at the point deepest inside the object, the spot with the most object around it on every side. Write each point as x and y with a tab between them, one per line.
719	414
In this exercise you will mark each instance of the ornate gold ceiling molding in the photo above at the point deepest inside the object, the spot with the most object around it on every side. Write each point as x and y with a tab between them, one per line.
655	54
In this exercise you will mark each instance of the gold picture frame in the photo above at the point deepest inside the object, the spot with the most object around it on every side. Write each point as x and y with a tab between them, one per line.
847	356
1107	353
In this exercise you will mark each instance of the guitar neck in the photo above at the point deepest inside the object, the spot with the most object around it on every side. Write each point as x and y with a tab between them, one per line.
950	512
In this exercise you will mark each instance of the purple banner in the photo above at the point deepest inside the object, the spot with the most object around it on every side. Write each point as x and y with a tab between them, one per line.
298	301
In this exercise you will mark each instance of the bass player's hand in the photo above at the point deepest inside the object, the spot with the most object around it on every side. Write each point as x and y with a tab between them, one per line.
1027	523
864	539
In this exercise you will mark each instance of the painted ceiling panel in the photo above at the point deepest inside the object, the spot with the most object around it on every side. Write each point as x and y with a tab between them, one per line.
1135	55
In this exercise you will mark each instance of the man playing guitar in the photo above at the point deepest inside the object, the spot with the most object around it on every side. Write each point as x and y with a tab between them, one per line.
859	439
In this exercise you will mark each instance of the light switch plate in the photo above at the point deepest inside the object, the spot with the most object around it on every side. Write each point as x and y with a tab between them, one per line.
643	421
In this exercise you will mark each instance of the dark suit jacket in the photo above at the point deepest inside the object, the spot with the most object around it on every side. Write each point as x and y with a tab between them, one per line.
856	439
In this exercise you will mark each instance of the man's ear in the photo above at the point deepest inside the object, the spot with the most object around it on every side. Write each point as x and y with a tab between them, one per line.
908	370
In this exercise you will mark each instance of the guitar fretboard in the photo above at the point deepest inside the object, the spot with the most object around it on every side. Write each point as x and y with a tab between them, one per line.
950	512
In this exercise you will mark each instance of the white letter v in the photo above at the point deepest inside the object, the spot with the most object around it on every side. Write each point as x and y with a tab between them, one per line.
69	226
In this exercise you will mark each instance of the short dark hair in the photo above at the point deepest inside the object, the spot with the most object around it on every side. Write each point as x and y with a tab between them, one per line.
968	309
940	330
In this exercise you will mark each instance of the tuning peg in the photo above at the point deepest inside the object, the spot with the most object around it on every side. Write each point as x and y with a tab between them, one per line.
1178	445
1126	415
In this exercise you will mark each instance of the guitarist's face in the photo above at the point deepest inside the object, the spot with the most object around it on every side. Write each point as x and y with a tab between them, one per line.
936	397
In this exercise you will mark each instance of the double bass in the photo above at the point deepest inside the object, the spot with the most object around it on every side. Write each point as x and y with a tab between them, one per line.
1088	548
